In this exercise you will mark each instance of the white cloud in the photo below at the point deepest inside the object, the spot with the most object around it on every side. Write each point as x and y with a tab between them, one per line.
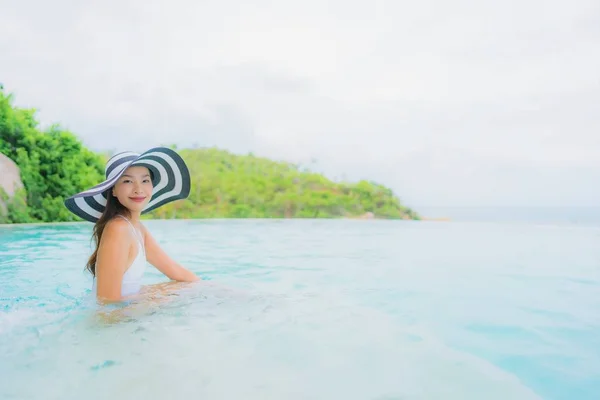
447	102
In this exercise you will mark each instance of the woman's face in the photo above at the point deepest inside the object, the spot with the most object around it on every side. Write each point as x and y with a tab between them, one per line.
134	188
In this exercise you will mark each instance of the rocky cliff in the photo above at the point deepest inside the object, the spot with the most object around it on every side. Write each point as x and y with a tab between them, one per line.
10	180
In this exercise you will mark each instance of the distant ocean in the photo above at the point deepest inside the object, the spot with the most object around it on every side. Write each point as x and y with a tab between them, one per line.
537	215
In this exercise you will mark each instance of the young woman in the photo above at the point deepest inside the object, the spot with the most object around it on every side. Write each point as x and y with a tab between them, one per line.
135	184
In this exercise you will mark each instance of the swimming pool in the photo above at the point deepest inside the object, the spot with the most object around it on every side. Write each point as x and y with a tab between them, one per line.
304	309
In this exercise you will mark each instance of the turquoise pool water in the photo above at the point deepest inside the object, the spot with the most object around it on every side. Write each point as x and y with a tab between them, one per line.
302	309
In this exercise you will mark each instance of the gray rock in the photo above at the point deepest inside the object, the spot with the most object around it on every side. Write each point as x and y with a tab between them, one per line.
10	179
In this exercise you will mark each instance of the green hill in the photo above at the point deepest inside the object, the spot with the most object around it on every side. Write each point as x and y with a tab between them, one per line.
55	164
246	186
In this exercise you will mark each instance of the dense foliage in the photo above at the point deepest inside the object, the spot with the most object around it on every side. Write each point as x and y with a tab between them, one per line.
54	164
14	210
246	186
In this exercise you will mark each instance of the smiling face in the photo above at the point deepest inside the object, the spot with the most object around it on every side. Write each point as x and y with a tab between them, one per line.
134	189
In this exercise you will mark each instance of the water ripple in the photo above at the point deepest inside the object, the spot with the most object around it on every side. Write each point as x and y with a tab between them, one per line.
311	309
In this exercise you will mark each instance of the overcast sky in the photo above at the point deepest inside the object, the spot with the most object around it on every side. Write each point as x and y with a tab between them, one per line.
447	102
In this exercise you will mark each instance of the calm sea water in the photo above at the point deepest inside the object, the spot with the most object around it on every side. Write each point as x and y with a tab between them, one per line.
303	309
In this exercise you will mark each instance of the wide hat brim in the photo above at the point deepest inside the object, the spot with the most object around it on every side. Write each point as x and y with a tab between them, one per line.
170	179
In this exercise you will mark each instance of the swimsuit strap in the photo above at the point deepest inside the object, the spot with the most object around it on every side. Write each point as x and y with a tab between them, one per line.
137	233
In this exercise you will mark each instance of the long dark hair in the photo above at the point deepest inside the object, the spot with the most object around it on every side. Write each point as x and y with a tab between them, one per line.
113	207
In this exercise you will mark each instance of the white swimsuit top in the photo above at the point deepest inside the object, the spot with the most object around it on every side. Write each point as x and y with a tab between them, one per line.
132	278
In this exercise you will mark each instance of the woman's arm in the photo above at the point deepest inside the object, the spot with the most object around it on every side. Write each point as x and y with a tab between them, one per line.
165	264
113	253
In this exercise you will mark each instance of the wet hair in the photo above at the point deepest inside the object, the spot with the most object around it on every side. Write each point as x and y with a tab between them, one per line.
112	209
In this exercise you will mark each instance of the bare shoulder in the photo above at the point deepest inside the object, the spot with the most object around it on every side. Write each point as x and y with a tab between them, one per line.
145	231
116	230
143	227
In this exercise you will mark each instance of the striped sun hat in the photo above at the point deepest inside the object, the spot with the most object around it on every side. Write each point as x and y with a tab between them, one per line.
170	179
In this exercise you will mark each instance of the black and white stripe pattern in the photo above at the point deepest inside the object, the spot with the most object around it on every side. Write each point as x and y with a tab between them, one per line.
170	178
